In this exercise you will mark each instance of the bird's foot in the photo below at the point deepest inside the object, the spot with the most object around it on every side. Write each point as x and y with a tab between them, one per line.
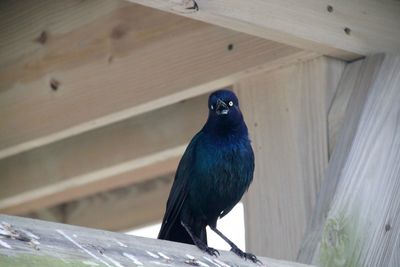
209	250
212	251
195	6
246	256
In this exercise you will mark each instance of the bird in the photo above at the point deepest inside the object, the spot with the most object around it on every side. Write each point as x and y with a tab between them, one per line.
214	172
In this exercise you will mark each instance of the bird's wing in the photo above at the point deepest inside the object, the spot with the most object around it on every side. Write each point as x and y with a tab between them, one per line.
179	190
247	176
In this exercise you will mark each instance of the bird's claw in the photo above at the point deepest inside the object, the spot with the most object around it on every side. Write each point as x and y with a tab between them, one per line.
246	256
195	6
209	250
212	251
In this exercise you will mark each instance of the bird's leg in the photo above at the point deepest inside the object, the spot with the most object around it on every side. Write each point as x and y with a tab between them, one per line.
200	244
235	249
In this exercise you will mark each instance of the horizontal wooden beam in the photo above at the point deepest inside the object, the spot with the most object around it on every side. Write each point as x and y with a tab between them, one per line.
60	245
345	28
120	209
130	151
82	74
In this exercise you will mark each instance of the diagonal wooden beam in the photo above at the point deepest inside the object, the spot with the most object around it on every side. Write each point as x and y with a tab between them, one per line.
357	212
345	29
126	60
286	111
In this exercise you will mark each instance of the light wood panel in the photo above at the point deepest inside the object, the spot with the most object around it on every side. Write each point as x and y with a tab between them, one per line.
124	208
357	220
346	132
336	114
121	60
286	111
342	28
119	209
113	156
61	245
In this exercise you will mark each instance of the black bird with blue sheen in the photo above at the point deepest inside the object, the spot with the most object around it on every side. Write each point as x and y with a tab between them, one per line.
212	176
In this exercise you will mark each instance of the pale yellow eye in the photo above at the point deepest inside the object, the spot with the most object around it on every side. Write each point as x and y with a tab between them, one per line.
230	103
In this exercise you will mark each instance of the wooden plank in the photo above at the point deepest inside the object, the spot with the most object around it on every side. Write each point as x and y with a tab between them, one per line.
343	28
340	102
125	61
65	245
286	114
354	74
120	154
359	205
120	209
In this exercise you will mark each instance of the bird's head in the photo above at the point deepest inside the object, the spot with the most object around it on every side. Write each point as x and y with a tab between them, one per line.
224	111
223	103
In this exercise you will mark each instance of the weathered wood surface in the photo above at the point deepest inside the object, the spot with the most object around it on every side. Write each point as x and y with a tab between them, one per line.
33	243
286	111
341	28
336	113
120	209
71	74
357	218
120	154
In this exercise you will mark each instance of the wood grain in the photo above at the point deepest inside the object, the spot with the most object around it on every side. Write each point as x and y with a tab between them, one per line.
123	208
120	209
127	152
342	28
286	114
124	61
360	210
336	113
60	245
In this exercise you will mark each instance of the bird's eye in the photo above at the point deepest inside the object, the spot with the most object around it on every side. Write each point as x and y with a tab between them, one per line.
230	103
212	107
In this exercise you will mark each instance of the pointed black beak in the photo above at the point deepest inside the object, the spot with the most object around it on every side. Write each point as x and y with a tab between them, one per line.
222	108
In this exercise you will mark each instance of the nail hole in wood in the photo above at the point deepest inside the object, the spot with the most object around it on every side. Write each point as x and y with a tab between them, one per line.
387	227
54	84
329	8
347	30
110	59
42	39
230	47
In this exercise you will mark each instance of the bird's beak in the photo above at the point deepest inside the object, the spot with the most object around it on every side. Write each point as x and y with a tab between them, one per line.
222	108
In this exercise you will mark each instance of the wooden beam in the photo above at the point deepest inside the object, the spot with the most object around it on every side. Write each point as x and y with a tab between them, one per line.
286	111
358	209
119	209
336	113
60	245
345	28
354	74
124	61
124	208
120	154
